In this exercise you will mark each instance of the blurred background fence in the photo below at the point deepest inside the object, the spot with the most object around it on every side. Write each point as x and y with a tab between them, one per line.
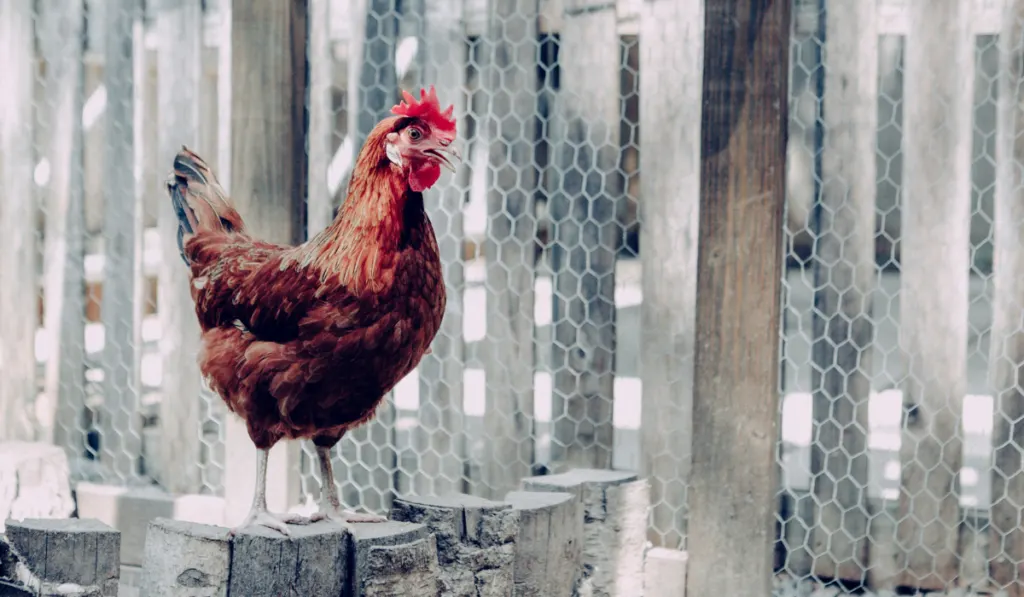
569	243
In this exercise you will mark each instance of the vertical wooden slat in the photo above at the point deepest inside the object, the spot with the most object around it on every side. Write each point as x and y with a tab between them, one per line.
320	202
60	32
439	437
934	269
368	453
179	28
1006	359
510	83
19	250
743	151
268	185
844	271
373	83
586	234
671	53
122	232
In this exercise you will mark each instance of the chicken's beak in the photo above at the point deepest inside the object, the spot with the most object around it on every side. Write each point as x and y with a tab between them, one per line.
445	155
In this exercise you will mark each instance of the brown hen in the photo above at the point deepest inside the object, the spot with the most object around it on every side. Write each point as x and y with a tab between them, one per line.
305	341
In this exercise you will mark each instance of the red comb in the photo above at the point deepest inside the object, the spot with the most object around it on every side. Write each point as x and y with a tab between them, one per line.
427	109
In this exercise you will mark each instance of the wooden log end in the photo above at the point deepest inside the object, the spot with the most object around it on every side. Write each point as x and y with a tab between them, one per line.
615	505
393	558
475	537
665	572
185	558
264	562
549	548
55	556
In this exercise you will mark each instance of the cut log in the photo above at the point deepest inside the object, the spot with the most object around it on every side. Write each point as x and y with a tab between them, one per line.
549	549
665	572
312	561
476	541
615	505
183	559
79	557
392	559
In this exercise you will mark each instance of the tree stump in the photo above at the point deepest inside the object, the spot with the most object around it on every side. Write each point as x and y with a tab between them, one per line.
184	559
550	545
476	541
392	559
66	557
615	505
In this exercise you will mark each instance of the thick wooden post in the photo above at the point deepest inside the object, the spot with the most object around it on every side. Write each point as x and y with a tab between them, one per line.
60	38
510	73
1006	358
439	437
122	230
582	208
179	30
934	271
671	42
268	185
735	404
844	280
19	243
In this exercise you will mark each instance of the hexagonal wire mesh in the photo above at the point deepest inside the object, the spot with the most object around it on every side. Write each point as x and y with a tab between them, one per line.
885	468
887	415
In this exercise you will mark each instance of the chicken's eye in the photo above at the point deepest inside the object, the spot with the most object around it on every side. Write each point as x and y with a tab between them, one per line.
415	134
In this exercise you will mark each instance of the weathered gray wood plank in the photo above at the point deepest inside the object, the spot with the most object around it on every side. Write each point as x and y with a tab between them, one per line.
19	245
122	231
60	121
268	186
1006	353
844	280
588	183
670	92
179	30
934	268
510	87
439	439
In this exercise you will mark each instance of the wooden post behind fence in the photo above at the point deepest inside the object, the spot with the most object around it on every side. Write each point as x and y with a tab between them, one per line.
268	184
670	91
18	244
934	273
179	27
845	275
587	184
743	151
510	93
1006	542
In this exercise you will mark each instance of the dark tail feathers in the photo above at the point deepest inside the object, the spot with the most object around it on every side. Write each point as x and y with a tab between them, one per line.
199	200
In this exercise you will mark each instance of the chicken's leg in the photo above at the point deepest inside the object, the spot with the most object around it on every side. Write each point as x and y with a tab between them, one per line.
259	514
330	505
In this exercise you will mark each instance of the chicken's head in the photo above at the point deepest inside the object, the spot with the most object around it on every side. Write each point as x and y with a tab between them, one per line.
422	141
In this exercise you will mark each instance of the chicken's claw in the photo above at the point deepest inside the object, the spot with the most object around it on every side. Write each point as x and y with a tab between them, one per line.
277	522
344	517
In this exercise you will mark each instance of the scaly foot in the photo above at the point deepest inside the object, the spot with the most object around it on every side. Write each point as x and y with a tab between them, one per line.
277	522
344	517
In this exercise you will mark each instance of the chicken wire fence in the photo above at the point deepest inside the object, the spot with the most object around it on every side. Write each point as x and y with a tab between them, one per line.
887	421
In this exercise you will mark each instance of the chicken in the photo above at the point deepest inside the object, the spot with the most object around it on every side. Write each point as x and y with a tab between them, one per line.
305	341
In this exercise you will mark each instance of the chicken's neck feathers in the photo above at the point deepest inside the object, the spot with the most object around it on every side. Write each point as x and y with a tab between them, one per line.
358	246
